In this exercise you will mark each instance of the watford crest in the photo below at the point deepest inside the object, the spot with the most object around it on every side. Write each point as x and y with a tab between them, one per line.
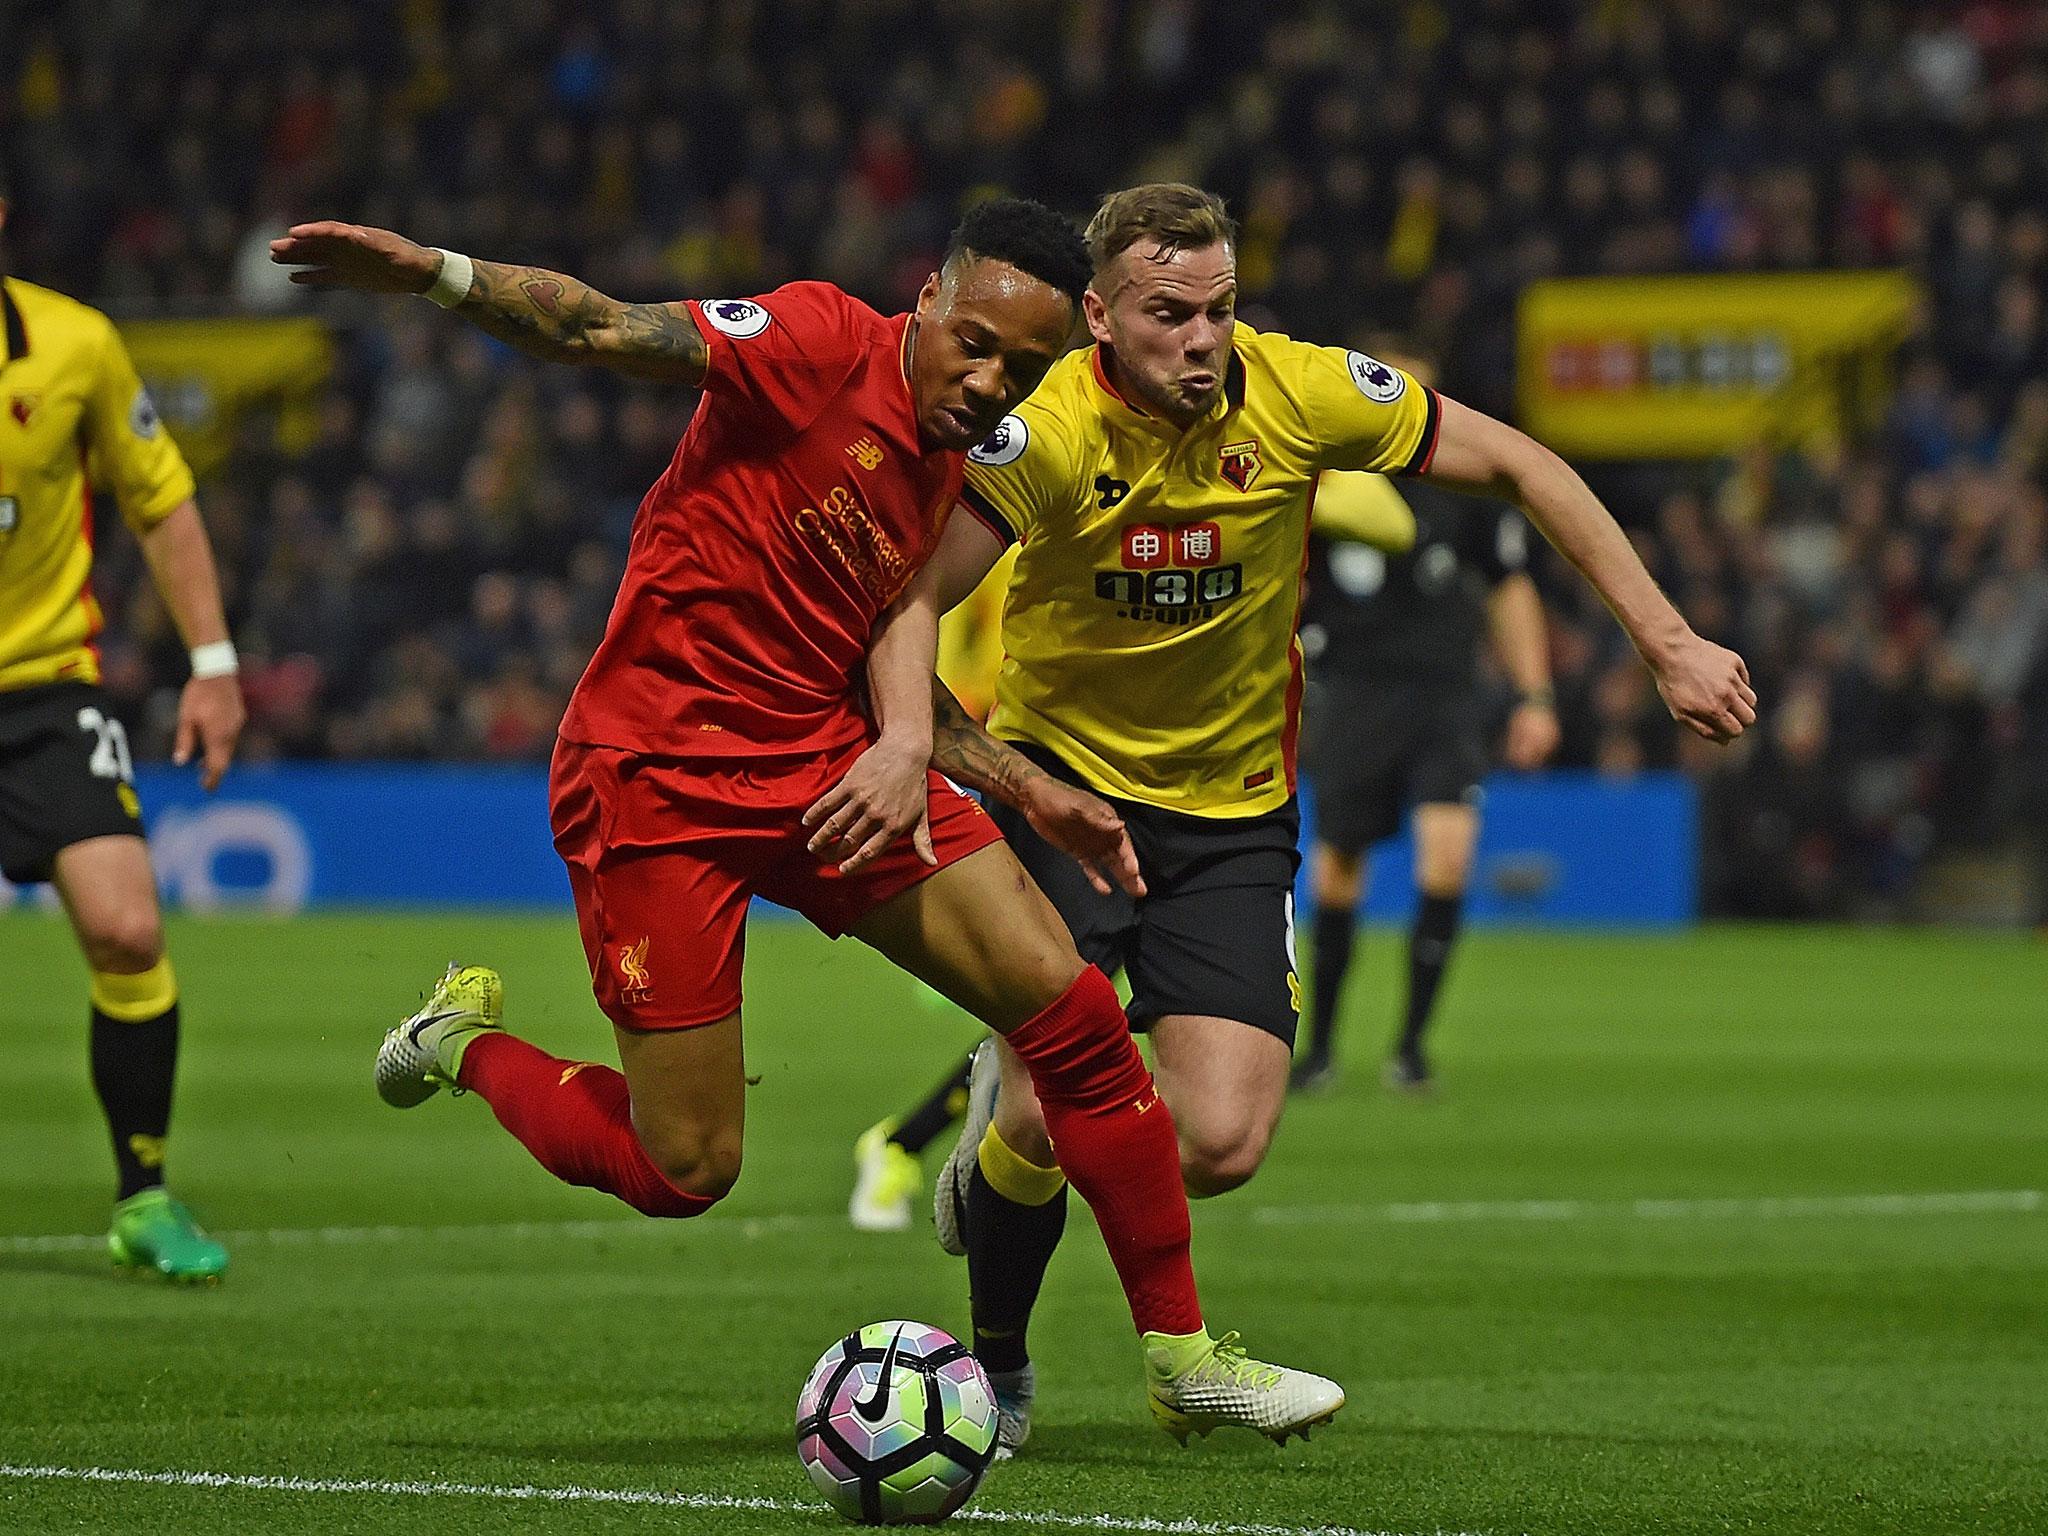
1241	463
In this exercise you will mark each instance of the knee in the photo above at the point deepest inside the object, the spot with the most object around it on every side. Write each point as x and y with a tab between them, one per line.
703	1167
1338	878
1444	874
125	944
1216	1160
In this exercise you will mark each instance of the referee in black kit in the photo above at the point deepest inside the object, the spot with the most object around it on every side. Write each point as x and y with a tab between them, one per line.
1396	716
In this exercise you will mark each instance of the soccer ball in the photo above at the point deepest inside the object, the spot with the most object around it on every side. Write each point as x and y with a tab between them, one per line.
896	1424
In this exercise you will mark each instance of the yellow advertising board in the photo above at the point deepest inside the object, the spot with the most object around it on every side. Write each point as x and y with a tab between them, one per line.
1696	367
206	375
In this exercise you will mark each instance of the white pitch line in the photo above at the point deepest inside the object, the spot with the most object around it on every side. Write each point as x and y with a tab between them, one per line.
719	1502
745	1226
1763	1208
1769	1208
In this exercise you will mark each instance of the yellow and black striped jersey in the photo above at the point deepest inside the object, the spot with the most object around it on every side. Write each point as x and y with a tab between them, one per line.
72	414
1149	629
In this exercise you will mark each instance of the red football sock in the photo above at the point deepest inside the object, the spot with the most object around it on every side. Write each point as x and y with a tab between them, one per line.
1116	1141
576	1118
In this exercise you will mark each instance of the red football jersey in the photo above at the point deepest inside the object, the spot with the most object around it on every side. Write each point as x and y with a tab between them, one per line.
796	508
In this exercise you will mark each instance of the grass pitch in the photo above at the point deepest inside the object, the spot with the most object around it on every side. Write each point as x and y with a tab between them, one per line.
1729	1232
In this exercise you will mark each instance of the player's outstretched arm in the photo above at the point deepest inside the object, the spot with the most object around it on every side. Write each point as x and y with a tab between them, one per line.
547	314
1704	685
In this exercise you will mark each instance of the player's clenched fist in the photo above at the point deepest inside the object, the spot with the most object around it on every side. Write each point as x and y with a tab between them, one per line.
335	255
1706	686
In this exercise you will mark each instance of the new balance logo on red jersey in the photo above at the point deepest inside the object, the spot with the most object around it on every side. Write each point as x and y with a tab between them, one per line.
862	451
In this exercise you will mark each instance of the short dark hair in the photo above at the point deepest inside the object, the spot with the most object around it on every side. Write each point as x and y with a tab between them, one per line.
1171	214
1030	237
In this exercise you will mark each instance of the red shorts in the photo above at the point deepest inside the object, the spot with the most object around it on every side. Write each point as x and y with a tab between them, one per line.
664	854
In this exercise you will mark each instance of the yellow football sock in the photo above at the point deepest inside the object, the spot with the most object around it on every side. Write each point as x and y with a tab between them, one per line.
137	997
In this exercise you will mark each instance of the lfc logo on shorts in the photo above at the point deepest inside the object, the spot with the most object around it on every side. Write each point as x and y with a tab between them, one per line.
1241	463
638	987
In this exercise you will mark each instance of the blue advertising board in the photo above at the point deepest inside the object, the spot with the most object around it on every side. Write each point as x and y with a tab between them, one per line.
1563	848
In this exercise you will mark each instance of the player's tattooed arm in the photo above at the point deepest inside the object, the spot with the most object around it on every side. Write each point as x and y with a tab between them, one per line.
1083	826
544	313
559	318
969	756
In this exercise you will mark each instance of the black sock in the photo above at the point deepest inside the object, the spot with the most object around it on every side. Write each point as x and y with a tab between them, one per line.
1335	932
1429	950
947	1103
132	1069
1008	1247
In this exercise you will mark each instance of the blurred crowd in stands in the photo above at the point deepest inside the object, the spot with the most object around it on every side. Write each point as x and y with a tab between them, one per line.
426	578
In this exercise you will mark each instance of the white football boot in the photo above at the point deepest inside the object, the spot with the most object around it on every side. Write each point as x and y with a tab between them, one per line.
1197	1385
949	1194
422	1055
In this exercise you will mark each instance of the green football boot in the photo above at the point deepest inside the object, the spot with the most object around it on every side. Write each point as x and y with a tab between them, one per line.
424	1054
153	1231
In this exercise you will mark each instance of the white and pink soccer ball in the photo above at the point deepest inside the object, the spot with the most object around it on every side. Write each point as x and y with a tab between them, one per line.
896	1424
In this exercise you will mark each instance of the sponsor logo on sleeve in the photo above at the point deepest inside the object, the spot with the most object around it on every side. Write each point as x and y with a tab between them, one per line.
1003	446
1375	380
143	420
737	318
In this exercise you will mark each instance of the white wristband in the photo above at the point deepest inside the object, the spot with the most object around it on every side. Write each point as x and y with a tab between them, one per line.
215	659
452	284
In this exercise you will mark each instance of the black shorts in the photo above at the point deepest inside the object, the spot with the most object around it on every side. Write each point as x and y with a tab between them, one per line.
1371	750
65	776
1215	932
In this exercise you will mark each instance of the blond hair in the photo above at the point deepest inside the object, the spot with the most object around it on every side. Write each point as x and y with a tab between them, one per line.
1171	214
